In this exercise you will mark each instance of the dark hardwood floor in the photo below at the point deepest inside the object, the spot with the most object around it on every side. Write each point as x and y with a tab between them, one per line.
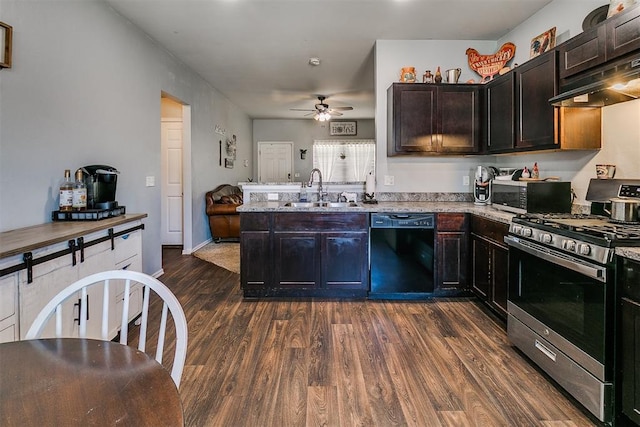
346	363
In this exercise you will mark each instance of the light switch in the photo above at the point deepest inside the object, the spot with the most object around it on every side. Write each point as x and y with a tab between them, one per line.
389	180
151	181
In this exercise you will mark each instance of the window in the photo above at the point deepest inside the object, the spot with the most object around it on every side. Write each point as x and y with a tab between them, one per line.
344	160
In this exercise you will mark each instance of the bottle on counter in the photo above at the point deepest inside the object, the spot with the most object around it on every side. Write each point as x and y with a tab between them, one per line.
438	77
79	192
66	193
535	173
303	193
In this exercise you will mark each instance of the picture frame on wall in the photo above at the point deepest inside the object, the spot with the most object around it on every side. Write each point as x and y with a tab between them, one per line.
6	37
228	163
543	43
617	6
342	128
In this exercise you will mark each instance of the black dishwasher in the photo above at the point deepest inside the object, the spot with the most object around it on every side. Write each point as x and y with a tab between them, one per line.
401	255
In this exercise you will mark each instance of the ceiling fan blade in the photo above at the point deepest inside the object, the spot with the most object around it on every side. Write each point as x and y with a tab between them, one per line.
300	109
342	108
334	113
310	114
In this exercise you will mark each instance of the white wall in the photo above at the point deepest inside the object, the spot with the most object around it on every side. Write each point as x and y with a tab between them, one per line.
301	133
85	88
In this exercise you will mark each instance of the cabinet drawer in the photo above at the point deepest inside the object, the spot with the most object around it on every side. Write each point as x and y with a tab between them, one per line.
451	222
320	221
255	221
127	246
487	228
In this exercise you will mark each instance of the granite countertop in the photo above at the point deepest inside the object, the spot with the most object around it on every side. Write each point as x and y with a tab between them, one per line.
435	207
18	241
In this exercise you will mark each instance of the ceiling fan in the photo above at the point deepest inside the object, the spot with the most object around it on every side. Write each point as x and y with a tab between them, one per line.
322	112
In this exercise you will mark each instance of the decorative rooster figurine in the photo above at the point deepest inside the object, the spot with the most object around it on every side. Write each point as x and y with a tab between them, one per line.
490	65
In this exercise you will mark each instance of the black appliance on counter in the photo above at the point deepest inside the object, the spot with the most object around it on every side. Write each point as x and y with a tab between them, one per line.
561	306
101	183
531	196
401	251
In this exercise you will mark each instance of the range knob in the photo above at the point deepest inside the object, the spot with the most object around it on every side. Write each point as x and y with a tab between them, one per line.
569	245
584	249
526	232
545	238
516	229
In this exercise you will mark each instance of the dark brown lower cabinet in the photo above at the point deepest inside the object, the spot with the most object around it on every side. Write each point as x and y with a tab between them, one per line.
490	263
628	372
451	254
307	255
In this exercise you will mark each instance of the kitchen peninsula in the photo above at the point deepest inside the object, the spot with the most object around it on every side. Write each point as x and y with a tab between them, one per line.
323	251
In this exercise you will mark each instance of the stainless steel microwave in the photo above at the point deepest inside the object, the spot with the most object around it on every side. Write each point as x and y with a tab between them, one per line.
531	196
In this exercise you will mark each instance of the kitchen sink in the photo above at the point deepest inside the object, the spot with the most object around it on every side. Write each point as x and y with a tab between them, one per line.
303	204
321	205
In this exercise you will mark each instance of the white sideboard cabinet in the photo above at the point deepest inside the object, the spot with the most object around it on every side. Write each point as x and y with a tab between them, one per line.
41	271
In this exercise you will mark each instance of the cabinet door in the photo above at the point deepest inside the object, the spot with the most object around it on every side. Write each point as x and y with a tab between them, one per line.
623	33
459	119
411	122
344	260
630	352
481	267
536	118
582	52
255	259
297	263
49	278
451	261
9	308
98	258
499	278
501	113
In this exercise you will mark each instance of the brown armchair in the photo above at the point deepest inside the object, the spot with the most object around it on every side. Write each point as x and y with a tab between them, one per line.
221	203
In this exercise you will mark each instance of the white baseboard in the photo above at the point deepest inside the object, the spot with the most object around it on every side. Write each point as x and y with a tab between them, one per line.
201	245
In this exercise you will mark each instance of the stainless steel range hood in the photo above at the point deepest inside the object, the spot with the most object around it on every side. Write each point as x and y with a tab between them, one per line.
611	84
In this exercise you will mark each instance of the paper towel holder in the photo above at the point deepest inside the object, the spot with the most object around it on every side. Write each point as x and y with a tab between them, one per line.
369	190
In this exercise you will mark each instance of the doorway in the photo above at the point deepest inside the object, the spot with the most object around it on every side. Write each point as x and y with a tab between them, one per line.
175	218
275	161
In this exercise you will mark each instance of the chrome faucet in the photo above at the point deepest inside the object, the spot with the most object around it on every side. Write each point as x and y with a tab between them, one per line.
320	193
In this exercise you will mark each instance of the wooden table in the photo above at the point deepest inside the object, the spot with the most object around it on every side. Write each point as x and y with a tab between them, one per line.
83	382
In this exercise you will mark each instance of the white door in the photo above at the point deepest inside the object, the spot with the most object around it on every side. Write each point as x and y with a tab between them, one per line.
171	190
275	161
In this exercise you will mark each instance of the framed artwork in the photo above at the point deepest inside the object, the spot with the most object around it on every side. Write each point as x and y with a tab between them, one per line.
228	163
6	37
543	43
342	128
617	6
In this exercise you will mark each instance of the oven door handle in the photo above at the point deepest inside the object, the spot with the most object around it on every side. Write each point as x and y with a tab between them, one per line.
594	272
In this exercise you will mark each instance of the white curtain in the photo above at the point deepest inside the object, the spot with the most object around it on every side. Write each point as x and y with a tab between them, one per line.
344	160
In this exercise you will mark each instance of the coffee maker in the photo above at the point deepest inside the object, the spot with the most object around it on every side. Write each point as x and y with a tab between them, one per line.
101	186
482	185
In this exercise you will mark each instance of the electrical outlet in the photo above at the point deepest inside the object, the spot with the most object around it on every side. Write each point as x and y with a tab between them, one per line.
272	196
465	180
296	175
151	181
246	163
389	180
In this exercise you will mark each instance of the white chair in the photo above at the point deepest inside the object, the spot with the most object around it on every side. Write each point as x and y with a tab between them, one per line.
170	303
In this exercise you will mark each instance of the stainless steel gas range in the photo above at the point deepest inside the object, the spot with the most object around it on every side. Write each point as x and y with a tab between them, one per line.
562	300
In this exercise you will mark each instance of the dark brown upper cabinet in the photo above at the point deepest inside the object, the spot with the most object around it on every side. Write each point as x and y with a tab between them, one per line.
433	119
611	39
520	118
